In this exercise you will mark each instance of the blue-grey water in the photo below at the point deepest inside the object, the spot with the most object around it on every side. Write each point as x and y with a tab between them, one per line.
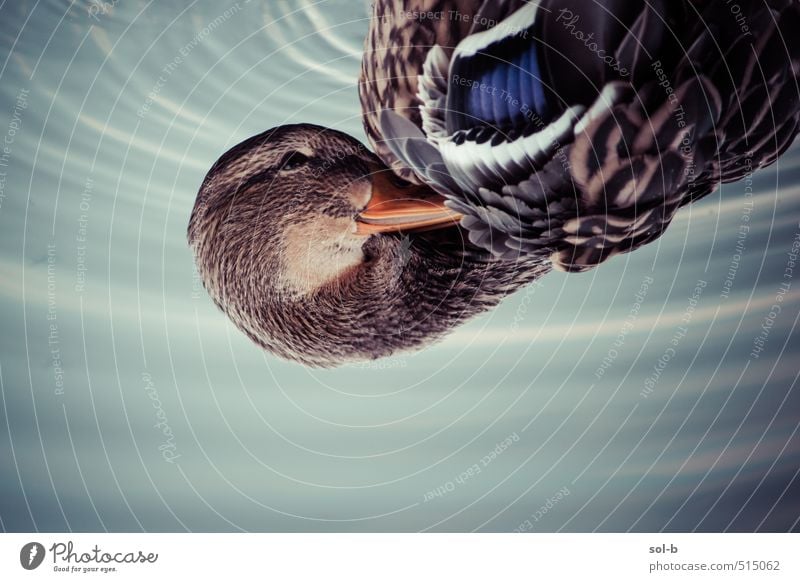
658	392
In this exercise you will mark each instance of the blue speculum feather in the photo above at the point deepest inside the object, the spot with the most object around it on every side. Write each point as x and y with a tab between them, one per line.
508	89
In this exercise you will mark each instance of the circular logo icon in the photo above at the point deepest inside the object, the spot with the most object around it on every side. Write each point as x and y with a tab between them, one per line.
31	555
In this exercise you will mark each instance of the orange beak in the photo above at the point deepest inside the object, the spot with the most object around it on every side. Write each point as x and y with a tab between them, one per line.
393	209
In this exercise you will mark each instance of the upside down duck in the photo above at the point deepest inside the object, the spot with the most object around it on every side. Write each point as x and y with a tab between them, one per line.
509	138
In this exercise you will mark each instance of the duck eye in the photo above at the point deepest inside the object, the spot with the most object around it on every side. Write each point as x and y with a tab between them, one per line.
293	160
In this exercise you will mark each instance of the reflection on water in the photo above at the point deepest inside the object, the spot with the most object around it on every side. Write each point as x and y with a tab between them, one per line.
658	392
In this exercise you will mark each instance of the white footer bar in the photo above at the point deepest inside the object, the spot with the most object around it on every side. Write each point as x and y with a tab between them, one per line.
396	557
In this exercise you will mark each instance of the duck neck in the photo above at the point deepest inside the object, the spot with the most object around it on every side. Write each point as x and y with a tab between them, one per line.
410	291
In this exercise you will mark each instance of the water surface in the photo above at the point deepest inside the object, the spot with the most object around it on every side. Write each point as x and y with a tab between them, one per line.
658	392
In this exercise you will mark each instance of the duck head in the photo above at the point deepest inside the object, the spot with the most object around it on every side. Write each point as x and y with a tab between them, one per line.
297	238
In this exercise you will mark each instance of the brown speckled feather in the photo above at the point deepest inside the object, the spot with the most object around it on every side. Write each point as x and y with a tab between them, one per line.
576	172
398	41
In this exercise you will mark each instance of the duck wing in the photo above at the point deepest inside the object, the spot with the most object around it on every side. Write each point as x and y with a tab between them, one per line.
401	35
576	130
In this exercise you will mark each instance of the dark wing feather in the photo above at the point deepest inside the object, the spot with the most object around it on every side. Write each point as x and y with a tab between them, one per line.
396	47
682	101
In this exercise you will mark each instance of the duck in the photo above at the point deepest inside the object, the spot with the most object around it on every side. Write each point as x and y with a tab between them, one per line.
508	138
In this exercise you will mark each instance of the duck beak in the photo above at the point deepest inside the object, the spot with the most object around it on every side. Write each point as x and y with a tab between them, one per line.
393	209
